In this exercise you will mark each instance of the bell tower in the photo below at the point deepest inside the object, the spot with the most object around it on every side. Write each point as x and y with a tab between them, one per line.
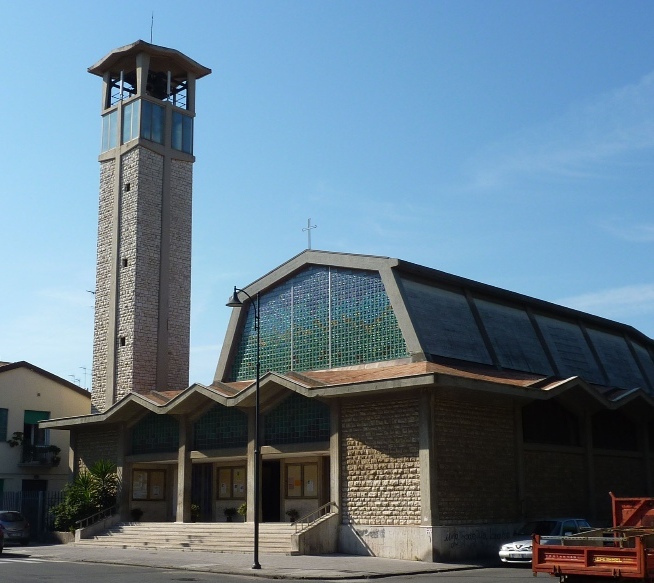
143	272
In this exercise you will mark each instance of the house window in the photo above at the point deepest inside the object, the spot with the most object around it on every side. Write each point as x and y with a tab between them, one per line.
301	480
232	483
148	485
4	414
33	435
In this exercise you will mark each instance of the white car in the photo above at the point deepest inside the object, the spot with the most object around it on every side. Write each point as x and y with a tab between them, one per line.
519	551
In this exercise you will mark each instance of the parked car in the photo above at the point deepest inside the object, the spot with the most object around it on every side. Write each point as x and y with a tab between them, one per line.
519	551
2	540
14	527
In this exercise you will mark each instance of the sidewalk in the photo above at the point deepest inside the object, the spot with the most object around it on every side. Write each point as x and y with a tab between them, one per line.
276	566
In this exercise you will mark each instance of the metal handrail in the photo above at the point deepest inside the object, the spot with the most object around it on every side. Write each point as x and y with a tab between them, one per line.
319	512
97	517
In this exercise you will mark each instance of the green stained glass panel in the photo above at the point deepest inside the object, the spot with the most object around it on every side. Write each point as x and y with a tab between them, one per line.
297	420
220	428
155	433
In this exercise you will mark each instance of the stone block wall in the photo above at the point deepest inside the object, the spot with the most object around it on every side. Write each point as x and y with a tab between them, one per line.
96	444
102	285
141	246
380	482
179	316
475	458
145	241
622	473
555	482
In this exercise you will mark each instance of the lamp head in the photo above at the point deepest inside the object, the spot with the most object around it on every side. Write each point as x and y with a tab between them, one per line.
233	301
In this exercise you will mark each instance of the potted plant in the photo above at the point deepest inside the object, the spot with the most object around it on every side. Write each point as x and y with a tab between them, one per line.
230	513
136	514
243	510
195	512
55	451
292	514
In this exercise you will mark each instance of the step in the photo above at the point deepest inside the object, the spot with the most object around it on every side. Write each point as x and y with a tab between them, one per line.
214	537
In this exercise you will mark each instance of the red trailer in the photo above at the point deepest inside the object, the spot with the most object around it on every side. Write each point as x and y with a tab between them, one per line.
624	552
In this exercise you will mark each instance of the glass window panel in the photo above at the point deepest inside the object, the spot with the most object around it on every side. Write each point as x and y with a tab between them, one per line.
187	142
157	483
109	130
146	120
239	486
157	124
155	433
224	482
139	485
221	428
297	419
310	479
294	481
177	131
321	318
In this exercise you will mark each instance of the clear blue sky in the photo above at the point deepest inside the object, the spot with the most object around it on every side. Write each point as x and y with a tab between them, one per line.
510	142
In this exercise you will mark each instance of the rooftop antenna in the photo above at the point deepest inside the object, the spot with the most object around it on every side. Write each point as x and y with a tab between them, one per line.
151	26
308	230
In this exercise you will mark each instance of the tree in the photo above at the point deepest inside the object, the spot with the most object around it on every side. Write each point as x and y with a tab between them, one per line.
91	491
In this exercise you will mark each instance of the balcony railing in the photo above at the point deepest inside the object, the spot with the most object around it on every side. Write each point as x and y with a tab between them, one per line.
40	455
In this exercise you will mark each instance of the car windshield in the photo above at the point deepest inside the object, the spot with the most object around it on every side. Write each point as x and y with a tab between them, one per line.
540	527
10	517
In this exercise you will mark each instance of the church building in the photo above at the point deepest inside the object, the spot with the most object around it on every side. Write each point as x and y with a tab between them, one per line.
420	414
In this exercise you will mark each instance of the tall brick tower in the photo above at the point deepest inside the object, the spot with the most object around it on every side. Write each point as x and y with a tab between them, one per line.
143	278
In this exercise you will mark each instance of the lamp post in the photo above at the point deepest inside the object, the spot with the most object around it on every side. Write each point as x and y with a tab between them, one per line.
235	302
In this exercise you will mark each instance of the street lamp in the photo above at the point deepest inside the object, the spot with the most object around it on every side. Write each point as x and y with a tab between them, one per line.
235	302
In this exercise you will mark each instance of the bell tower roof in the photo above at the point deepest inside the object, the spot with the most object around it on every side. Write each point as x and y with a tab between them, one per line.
160	58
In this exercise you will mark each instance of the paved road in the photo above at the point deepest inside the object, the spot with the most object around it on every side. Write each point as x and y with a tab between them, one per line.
66	563
276	566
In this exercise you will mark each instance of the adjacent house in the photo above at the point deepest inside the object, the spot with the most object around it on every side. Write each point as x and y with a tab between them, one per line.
34	459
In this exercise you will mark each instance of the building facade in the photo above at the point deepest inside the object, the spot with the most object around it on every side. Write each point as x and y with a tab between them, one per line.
435	412
34	459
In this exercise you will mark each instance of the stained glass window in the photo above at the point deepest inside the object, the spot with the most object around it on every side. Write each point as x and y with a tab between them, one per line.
321	318
155	433
297	419
220	428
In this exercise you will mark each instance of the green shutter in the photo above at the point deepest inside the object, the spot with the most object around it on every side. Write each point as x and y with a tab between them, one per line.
33	417
4	414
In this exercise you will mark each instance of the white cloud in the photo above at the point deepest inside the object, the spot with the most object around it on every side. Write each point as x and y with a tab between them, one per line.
578	143
615	303
629	231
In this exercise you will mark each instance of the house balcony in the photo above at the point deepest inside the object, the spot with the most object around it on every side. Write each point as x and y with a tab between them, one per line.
47	456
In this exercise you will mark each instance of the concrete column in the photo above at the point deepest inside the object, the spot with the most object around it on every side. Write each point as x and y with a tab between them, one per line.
335	454
425	456
123	469
184	470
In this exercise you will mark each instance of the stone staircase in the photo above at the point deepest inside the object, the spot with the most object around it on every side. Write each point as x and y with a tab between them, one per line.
217	537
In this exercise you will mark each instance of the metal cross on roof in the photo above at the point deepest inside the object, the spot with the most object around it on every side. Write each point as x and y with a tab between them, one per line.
308	230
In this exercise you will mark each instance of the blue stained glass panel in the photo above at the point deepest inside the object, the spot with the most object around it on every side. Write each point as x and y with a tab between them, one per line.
321	318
